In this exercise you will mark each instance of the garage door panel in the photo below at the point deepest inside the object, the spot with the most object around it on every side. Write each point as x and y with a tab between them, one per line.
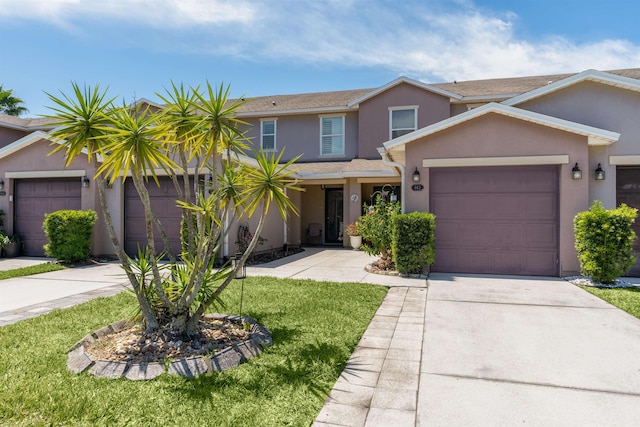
36	197
493	219
163	204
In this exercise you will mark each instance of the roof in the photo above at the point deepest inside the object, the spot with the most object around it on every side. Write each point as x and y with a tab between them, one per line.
509	87
356	168
588	75
596	136
25	124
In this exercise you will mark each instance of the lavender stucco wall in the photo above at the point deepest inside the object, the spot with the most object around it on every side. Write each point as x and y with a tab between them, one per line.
374	114
494	135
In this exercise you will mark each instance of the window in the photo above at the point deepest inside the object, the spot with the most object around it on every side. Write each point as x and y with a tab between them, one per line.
402	120
331	135
268	135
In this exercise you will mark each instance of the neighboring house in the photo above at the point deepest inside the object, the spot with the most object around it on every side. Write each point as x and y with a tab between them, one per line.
493	159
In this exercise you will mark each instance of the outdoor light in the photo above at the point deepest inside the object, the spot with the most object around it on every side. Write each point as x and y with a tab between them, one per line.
416	175
393	197
242	272
576	173
1	184
85	182
209	183
599	173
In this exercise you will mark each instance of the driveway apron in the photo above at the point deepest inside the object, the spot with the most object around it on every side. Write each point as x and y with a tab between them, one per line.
506	351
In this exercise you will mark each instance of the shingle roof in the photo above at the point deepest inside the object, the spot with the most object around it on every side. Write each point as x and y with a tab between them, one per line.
25	123
515	85
355	167
490	88
303	101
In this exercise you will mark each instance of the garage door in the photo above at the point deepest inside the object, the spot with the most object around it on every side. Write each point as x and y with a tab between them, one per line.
163	204
496	220
628	191
35	197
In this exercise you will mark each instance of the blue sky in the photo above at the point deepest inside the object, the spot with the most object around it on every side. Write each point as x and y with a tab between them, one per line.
270	47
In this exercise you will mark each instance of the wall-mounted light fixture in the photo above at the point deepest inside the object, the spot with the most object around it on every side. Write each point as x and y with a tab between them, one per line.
599	173
576	173
416	175
85	182
1	184
322	187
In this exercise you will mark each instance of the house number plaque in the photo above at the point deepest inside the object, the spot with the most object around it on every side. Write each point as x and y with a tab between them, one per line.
417	187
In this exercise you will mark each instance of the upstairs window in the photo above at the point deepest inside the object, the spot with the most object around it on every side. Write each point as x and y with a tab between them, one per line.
331	135
268	135
402	120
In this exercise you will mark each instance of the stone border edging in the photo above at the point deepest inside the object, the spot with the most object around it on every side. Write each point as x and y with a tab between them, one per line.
79	360
369	268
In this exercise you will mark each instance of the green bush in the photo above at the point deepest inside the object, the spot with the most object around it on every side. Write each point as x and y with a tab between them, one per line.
376	229
603	241
69	233
413	241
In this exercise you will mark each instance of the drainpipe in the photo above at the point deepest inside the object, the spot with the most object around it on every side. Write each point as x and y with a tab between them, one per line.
225	243
387	161
285	237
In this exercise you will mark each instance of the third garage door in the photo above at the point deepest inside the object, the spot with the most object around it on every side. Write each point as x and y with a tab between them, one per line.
496	220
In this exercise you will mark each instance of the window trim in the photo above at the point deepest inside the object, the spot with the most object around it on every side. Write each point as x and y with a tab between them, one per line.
275	133
344	130
403	107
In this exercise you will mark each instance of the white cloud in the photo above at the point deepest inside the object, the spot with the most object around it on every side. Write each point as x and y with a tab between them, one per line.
157	13
419	38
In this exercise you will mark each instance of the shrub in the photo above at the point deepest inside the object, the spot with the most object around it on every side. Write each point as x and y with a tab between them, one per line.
353	229
375	228
603	241
69	233
413	241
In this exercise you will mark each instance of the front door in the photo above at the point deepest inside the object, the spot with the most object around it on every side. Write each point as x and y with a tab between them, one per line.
334	224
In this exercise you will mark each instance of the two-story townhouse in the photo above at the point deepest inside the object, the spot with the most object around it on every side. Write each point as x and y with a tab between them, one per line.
496	160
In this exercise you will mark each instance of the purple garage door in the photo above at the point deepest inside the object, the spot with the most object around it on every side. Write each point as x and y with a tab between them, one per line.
36	197
628	191
496	220
163	204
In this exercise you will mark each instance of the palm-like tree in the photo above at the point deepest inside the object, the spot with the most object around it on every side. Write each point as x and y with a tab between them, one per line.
195	131
10	104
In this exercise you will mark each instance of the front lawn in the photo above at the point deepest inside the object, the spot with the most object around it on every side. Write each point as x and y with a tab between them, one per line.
315	326
30	270
627	299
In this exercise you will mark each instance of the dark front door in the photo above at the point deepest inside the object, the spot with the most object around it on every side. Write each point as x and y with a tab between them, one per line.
628	192
333	215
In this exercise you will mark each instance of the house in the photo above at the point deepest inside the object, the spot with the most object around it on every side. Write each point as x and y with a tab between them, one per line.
504	164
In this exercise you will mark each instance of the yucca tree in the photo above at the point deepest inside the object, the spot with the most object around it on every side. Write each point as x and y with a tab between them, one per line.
195	134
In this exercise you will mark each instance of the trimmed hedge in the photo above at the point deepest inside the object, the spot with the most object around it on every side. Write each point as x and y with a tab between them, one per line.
603	241
70	234
413	241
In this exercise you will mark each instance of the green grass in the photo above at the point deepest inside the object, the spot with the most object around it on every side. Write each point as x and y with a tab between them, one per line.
627	299
28	271
315	326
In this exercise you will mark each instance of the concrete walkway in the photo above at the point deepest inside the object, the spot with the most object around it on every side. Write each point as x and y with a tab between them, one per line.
464	350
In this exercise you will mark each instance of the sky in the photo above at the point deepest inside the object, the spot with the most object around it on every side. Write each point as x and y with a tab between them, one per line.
137	48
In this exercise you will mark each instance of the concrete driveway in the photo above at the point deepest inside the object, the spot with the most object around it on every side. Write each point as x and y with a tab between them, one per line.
506	351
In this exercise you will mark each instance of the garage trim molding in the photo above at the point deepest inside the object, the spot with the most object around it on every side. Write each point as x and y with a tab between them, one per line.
562	159
65	173
624	160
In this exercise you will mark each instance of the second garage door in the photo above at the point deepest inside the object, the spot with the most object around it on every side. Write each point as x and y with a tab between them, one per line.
36	197
163	204
496	220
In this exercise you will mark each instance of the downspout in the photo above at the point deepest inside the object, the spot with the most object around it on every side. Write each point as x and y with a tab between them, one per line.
225	243
387	161
285	237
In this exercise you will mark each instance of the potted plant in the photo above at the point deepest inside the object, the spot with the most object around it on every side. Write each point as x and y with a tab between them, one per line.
355	239
12	246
